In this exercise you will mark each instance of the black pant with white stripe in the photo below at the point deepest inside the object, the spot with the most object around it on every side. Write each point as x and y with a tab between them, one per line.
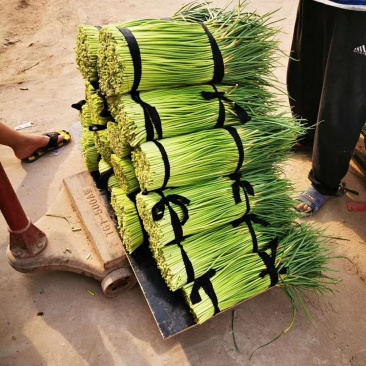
326	81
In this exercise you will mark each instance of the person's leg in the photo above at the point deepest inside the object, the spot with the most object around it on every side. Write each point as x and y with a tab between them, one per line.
342	110
343	104
23	145
306	66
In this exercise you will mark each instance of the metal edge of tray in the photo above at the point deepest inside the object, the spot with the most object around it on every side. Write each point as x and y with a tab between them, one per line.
169	309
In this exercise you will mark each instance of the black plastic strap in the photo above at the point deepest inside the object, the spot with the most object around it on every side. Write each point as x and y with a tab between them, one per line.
220	96
94	84
98	27
164	156
187	262
158	211
219	68
245	185
234	133
152	118
78	105
248	219
94	128
240	112
136	56
205	283
105	111
270	263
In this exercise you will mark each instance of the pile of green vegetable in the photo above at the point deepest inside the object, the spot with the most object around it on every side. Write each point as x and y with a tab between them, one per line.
184	211
129	224
235	47
183	122
125	173
297	263
193	158
177	112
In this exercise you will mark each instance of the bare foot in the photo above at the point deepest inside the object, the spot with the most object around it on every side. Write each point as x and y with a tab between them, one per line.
30	143
303	207
310	201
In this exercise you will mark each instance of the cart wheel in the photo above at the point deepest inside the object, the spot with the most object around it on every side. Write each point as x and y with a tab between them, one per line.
119	281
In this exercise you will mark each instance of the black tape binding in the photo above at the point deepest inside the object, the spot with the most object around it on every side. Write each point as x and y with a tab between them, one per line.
152	118
205	283
234	133
94	128
245	185
78	105
164	156
220	96
187	262
136	56
248	219
105	111
219	68
158	211
240	112
94	84
98	27
270	263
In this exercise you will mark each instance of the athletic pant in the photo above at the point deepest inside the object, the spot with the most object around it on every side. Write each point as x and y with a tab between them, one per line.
326	81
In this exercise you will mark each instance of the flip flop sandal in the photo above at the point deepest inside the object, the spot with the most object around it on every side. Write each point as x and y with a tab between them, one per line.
52	145
313	199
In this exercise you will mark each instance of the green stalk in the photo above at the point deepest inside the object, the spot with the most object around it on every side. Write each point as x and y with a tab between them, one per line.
179	53
205	155
86	49
125	174
129	224
103	167
113	183
89	151
102	145
117	140
208	249
179	109
301	252
96	105
212	204
85	116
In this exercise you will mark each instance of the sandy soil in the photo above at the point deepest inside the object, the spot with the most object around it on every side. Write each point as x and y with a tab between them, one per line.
38	83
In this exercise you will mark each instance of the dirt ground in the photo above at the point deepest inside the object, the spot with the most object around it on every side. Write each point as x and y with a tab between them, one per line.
38	83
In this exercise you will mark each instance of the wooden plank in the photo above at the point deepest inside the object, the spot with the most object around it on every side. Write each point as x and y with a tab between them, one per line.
169	309
91	210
